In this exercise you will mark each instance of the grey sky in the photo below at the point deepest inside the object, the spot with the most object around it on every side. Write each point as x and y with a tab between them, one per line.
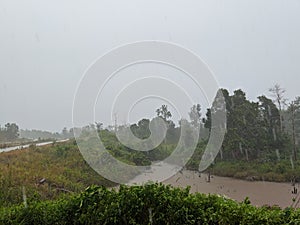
45	47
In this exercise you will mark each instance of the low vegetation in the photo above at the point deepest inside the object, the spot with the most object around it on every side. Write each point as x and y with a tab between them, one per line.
149	204
44	172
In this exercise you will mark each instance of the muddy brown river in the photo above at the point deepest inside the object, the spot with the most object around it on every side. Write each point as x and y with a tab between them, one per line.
259	192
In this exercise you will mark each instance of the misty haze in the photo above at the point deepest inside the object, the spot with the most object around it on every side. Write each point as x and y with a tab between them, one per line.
150	112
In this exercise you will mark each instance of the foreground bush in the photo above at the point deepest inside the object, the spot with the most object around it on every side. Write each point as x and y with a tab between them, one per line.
149	204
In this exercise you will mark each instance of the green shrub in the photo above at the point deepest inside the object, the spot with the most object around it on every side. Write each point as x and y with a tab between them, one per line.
149	204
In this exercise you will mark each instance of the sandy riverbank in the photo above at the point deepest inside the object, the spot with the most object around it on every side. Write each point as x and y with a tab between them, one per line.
259	192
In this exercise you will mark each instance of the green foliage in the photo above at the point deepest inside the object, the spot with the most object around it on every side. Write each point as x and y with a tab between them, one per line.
61	164
280	171
163	112
149	204
141	130
253	129
193	163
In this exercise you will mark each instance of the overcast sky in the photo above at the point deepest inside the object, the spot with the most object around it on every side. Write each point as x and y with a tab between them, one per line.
45	47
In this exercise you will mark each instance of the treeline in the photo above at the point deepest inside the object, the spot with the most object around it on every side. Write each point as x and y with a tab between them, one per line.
266	129
40	134
260	129
253	130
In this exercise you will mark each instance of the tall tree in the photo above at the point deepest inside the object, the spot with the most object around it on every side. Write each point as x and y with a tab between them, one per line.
99	126
277	93
294	113
12	131
270	123
207	119
172	132
242	126
163	112
195	115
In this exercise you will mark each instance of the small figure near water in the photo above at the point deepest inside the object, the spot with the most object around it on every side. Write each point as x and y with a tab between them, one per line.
208	176
295	190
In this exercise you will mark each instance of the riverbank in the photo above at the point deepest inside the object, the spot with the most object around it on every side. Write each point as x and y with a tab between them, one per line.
63	165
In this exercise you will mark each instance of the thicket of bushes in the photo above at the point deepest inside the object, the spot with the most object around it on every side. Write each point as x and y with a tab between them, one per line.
60	164
149	204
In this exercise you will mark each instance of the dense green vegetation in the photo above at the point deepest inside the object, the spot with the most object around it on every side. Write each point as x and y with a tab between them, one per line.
63	168
260	130
149	204
268	171
254	130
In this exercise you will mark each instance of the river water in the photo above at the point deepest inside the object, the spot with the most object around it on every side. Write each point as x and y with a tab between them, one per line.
259	192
